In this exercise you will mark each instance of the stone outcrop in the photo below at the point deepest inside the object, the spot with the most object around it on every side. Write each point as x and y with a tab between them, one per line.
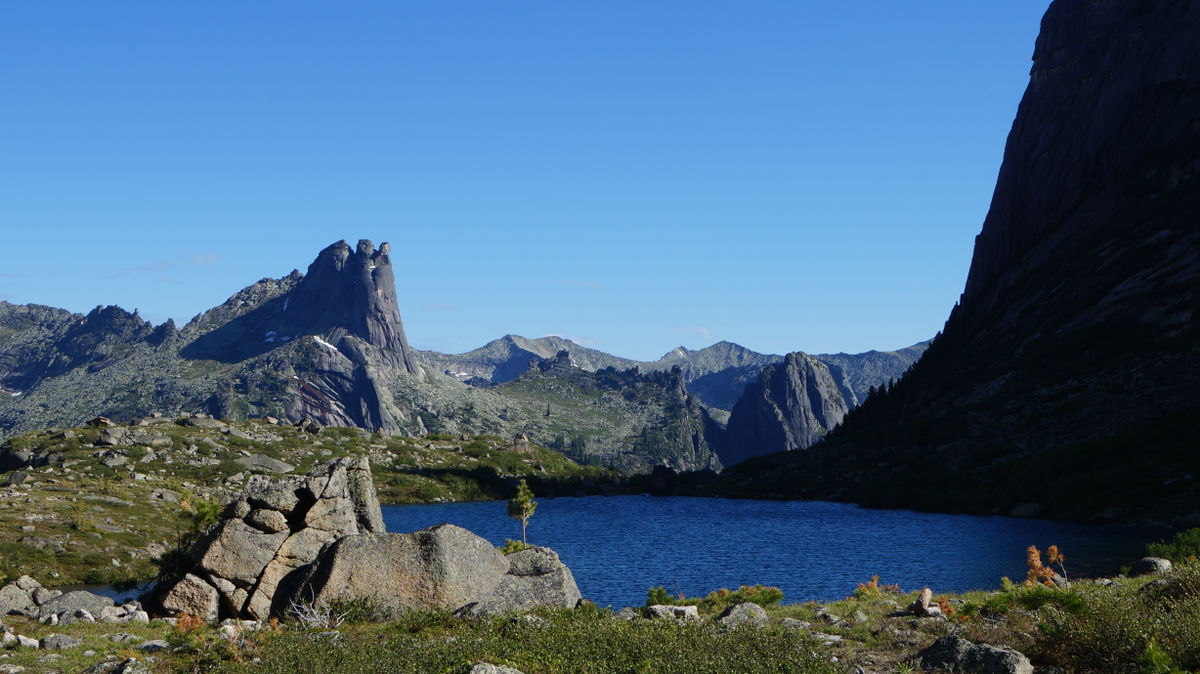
791	406
275	527
442	567
320	539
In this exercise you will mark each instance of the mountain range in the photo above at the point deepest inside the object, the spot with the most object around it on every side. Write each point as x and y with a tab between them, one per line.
329	345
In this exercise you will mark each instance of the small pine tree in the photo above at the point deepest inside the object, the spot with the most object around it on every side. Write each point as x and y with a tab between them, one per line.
521	507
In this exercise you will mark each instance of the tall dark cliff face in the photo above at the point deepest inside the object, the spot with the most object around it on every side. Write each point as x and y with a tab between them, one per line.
1068	377
1105	138
791	406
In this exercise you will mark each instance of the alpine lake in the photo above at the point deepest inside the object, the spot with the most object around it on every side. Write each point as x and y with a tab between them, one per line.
618	547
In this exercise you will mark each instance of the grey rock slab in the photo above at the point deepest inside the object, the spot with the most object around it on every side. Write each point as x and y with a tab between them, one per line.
59	642
265	463
533	561
153	645
299	549
41	595
73	601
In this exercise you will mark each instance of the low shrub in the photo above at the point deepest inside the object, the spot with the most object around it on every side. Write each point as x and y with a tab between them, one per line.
1185	545
719	600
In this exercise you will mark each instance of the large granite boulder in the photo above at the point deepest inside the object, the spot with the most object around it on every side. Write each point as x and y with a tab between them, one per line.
275	527
442	567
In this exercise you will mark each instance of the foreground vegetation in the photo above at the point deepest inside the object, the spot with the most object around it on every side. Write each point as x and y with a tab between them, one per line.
1136	625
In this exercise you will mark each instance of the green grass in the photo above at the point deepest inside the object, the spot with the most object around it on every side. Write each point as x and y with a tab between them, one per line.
552	641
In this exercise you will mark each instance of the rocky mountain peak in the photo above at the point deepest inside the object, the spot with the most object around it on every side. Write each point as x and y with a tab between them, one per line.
791	406
345	292
351	290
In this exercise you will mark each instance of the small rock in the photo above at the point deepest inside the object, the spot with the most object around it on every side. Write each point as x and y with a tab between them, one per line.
59	642
153	646
793	624
627	614
25	642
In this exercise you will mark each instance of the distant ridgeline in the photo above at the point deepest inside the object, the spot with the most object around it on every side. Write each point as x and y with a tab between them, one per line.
1066	381
329	345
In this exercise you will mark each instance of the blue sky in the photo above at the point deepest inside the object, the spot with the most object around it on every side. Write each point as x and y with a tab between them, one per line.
788	175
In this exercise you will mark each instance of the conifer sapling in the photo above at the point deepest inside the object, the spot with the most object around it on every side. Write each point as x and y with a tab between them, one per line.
521	507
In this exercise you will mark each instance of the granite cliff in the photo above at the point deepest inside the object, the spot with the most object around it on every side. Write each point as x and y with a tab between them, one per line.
1066	382
791	406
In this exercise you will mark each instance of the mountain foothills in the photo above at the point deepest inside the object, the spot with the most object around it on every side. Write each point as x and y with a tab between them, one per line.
1066	382
329	346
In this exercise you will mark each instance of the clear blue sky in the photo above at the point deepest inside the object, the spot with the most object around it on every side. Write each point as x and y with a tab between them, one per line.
788	175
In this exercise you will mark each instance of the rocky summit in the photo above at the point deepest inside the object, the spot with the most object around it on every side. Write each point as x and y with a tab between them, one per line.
1066	382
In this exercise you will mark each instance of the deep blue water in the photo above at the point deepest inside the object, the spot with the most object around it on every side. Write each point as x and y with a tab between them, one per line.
619	546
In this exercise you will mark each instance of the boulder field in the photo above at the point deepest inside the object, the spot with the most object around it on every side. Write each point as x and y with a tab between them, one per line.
320	540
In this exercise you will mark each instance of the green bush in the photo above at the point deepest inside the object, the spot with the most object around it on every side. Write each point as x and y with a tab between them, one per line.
510	546
1129	630
1185	545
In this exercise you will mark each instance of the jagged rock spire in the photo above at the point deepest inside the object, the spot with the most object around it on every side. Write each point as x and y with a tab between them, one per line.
352	291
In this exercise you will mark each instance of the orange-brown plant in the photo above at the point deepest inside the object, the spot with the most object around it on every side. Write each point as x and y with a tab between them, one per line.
943	603
1041	573
189	623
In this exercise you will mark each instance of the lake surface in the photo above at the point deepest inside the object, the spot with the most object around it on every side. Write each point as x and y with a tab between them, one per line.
620	546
